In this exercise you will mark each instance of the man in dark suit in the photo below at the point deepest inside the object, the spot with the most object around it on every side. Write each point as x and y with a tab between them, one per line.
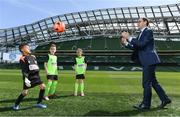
145	54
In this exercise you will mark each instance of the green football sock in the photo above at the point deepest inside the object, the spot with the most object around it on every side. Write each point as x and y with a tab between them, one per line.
82	87
53	87
76	88
48	88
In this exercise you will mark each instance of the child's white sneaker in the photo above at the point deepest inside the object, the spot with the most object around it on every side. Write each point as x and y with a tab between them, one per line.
16	107
46	98
82	94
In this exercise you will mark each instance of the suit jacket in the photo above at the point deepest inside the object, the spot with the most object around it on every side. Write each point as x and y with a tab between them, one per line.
144	49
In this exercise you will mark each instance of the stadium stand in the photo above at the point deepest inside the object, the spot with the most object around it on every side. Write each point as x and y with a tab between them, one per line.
97	33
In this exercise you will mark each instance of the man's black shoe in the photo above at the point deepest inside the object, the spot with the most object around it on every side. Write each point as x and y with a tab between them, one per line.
164	103
141	107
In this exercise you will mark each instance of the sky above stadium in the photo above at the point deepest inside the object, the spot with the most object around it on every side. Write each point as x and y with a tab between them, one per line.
20	12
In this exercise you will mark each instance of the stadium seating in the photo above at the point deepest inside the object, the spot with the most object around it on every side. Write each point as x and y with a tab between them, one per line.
107	44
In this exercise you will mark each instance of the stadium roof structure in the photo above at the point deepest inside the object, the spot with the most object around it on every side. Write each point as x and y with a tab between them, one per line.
164	20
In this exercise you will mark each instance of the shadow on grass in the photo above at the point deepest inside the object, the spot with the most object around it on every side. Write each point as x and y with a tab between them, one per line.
4	109
13	100
32	99
61	96
123	113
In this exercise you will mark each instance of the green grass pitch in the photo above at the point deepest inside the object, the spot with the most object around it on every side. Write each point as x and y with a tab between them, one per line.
107	93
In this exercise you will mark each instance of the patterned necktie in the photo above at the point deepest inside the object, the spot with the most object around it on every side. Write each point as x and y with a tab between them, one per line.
139	35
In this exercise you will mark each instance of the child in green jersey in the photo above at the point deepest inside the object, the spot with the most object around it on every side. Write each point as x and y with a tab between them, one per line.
51	72
80	65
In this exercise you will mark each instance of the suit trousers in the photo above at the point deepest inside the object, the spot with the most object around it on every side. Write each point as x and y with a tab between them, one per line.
149	81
